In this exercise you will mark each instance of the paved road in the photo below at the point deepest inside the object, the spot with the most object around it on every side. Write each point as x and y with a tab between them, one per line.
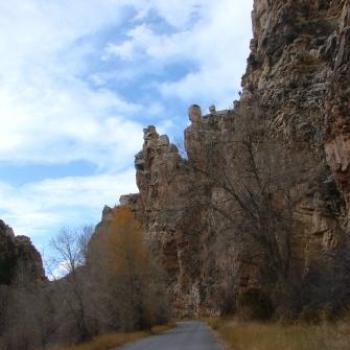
191	335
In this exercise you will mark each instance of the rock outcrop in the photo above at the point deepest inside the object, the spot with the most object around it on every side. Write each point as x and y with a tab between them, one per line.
297	77
169	207
18	258
7	253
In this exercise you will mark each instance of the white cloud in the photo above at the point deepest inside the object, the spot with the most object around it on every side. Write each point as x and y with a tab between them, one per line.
48	111
58	270
216	43
220	46
178	14
40	207
57	106
66	125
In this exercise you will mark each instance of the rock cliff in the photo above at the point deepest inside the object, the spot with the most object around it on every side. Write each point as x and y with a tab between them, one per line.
296	84
18	258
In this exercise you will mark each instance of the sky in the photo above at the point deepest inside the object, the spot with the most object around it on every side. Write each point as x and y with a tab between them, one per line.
80	79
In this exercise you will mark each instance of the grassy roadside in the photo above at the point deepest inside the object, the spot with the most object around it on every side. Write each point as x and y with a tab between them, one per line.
113	340
273	336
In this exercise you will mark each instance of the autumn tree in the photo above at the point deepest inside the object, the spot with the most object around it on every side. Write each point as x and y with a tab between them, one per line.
135	280
110	282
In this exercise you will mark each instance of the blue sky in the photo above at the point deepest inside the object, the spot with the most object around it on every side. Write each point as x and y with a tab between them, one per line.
80	79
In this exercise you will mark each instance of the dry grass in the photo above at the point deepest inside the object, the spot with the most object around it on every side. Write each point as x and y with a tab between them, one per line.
257	336
110	341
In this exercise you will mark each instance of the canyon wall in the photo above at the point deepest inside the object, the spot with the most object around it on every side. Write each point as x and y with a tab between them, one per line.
296	90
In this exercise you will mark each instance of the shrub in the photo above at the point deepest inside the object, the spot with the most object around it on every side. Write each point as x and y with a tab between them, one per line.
254	304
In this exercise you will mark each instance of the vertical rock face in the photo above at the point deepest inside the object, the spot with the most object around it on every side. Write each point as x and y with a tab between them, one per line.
299	66
337	103
299	69
7	253
298	72
287	67
171	212
29	261
18	258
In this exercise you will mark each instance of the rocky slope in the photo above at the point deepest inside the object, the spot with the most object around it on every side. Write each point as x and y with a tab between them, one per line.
297	77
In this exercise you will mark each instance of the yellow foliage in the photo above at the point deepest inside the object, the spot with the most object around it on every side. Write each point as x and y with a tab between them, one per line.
126	251
133	276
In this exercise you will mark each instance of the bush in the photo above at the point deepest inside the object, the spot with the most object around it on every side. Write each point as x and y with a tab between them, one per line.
315	315
255	305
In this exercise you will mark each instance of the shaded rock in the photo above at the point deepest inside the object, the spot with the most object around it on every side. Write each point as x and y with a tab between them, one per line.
18	257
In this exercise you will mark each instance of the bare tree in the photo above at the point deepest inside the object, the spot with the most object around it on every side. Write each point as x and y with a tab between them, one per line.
71	246
256	179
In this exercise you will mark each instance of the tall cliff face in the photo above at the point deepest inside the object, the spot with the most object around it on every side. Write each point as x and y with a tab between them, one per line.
297	78
299	69
299	65
337	102
298	55
171	211
18	258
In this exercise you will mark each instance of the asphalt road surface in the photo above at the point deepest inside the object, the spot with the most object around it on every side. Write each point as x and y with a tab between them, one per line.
191	335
